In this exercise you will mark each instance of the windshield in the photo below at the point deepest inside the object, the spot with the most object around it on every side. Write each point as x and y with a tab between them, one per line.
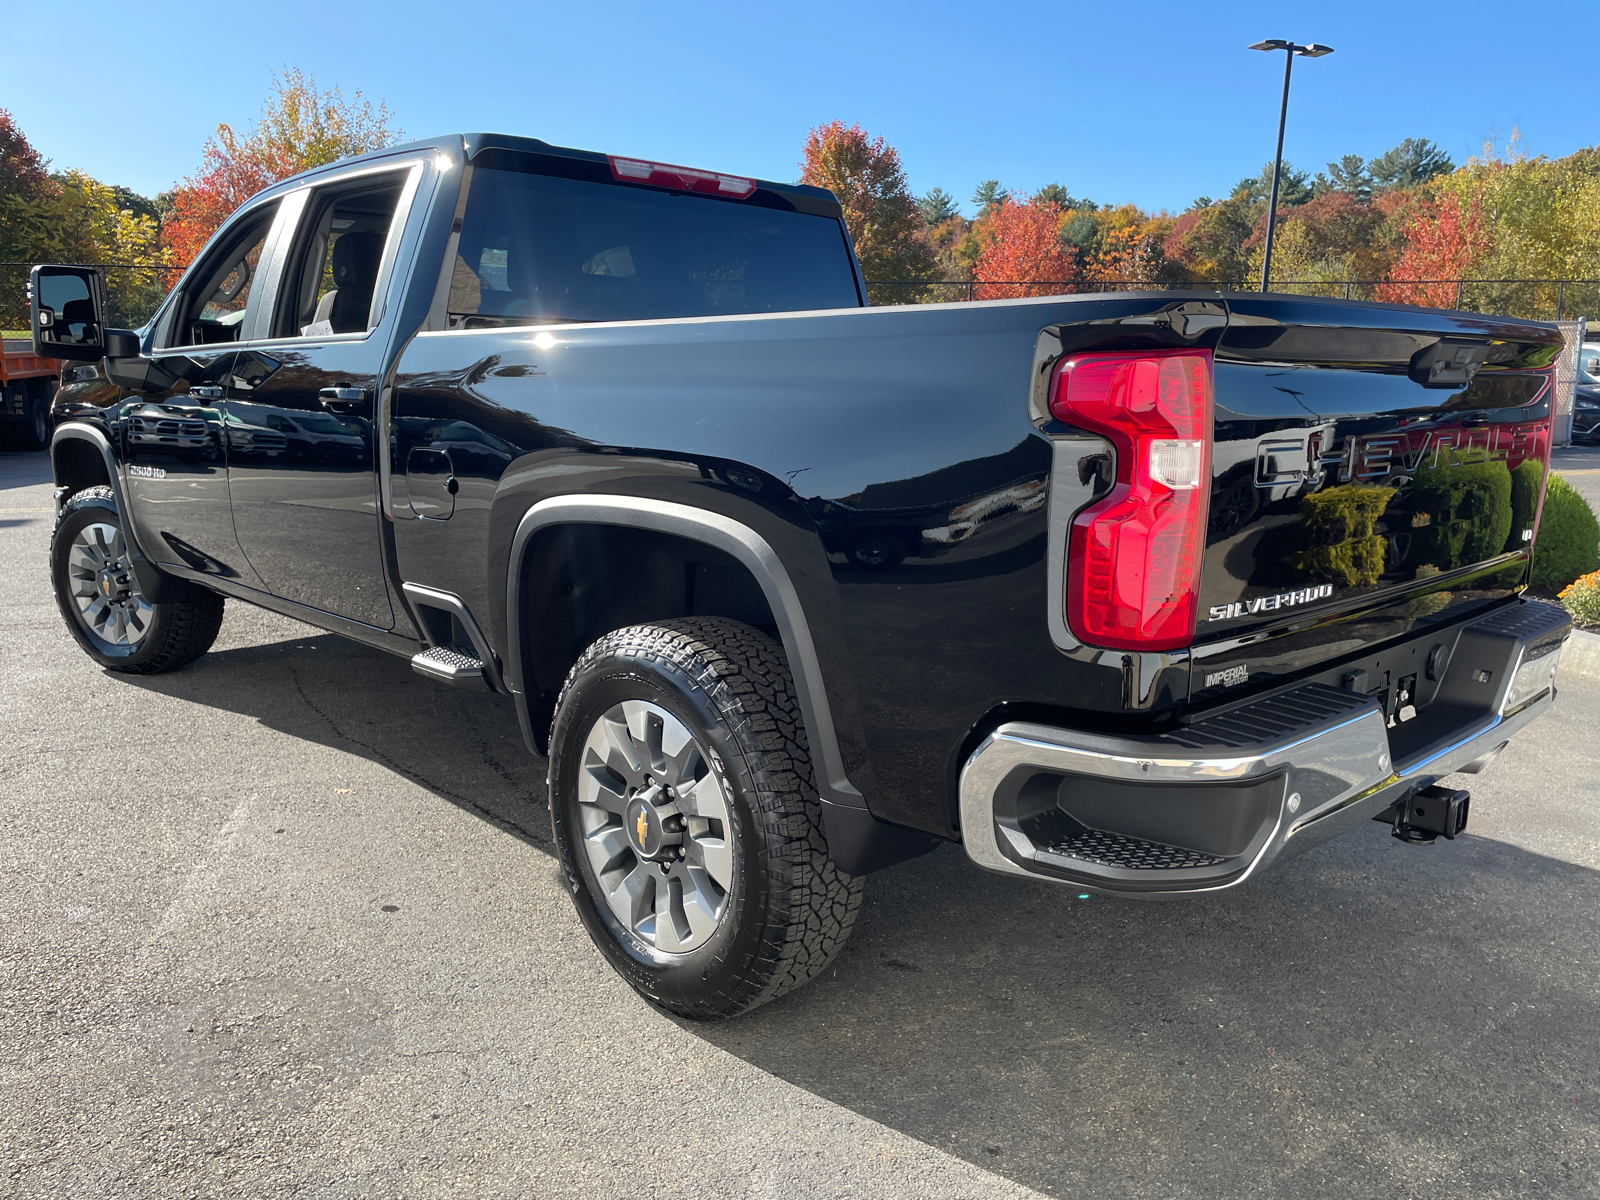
543	249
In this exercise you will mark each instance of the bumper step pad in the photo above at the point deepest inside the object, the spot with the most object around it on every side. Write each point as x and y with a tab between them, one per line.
1128	853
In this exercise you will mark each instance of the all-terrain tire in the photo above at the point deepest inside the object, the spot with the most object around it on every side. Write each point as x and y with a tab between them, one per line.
790	909
176	633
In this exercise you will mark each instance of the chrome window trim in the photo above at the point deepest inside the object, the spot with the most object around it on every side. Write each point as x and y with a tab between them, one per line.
438	314
733	538
277	248
391	244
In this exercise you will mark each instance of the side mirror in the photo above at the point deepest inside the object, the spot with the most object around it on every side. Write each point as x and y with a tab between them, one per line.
67	305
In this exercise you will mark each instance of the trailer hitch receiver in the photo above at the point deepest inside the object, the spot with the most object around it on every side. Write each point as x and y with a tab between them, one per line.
1426	815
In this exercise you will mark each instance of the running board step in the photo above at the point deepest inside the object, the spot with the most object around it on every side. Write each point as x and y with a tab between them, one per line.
452	665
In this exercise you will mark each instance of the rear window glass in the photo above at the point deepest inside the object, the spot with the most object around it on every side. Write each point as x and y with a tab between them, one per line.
539	249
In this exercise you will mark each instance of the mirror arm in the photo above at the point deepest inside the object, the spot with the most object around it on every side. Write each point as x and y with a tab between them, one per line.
126	367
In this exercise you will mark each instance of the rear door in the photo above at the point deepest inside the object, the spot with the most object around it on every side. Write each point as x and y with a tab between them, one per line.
301	408
1374	470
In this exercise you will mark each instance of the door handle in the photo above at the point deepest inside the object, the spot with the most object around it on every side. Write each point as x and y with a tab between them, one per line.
206	391
342	399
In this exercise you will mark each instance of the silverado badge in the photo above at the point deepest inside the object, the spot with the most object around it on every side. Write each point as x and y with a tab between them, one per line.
1245	608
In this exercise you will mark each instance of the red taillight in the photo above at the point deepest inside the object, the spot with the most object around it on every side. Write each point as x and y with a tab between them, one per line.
1134	560
682	179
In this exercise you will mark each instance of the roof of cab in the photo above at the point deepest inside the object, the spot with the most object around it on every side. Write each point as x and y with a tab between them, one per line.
471	145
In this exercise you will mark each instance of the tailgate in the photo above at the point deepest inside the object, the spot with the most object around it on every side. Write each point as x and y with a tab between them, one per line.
1375	469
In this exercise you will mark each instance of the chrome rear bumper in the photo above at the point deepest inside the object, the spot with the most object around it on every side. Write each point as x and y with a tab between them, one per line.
1207	806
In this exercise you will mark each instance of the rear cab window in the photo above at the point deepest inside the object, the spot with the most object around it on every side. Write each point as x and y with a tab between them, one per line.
546	240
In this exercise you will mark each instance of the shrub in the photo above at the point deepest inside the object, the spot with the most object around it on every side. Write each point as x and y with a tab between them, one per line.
1469	514
1582	598
1569	538
1338	524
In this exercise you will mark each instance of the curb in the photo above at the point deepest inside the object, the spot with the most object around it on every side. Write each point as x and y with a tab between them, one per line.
1582	654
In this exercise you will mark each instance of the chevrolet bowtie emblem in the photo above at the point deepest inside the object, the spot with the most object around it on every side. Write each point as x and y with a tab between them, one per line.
641	825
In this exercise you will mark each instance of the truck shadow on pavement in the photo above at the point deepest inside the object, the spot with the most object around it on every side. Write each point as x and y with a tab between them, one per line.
1368	1019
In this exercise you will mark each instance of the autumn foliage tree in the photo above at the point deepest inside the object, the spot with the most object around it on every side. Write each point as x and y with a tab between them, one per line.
302	126
69	216
882	215
1021	252
1443	240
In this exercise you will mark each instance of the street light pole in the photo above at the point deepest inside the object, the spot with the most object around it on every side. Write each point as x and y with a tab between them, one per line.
1290	50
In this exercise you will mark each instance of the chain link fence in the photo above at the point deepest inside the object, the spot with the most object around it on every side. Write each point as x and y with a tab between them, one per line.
1567	378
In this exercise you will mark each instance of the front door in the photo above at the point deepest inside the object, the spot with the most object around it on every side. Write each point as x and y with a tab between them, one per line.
300	413
174	437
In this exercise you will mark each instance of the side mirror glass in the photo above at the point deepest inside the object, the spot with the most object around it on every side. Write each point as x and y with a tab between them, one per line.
67	305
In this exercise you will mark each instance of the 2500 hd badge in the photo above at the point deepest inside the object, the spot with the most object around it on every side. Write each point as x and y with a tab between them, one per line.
1244	608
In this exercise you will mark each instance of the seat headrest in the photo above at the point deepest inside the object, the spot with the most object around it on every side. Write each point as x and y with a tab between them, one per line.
355	274
355	260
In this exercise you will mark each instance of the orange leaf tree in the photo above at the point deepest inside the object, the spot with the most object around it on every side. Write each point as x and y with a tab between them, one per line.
301	126
1443	240
879	209
1021	251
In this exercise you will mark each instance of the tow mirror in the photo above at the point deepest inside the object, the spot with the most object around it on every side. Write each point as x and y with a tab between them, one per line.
67	305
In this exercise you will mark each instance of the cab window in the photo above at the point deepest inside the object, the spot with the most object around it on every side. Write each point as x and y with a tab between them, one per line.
539	249
213	304
337	258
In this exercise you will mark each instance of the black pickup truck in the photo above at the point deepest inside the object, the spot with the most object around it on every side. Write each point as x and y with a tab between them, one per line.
1137	592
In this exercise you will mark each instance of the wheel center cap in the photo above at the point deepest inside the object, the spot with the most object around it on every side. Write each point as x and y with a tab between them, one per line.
643	824
108	585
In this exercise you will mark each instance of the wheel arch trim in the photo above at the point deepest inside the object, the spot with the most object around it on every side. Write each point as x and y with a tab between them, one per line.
723	533
156	584
78	431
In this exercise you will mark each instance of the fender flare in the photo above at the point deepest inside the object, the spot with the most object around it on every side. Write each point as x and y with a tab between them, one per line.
731	537
155	583
80	432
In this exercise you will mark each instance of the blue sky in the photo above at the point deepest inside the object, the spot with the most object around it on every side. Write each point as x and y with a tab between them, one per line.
1153	103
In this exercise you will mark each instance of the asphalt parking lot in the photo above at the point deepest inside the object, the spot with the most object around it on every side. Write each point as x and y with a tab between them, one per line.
287	922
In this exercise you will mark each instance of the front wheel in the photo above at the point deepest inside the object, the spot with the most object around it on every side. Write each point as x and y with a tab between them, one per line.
101	602
687	821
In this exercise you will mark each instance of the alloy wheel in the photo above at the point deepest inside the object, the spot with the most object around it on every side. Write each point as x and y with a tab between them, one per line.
103	586
655	827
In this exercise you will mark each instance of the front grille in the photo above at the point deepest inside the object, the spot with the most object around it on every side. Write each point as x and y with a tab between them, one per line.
1129	853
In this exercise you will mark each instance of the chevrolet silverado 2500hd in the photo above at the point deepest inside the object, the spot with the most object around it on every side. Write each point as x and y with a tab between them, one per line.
1138	592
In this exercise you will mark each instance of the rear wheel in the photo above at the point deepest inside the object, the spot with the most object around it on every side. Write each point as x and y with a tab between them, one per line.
101	602
687	820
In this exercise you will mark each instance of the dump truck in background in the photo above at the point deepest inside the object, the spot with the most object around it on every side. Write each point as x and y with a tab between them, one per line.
27	387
